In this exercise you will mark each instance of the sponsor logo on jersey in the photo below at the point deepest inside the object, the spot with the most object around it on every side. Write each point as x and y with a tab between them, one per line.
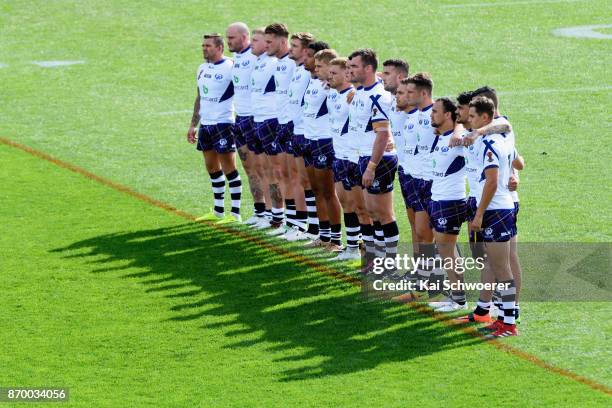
245	63
490	156
236	79
375	184
218	77
204	89
488	232
223	142
442	221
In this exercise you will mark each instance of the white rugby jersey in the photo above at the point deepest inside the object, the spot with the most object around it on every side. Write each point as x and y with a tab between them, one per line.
263	88
472	167
370	105
316	118
216	92
338	108
406	143
492	151
244	62
297	89
447	169
396	122
425	138
511	139
284	73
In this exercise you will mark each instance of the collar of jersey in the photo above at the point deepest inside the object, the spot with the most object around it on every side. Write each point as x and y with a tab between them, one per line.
371	86
412	111
284	55
427	108
448	132
346	90
220	61
245	50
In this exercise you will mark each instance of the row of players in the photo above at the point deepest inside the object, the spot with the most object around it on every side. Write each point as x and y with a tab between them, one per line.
321	137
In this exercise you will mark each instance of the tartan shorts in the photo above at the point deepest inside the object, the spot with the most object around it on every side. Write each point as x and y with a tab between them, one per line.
284	137
446	216
471	208
219	137
498	225
243	130
346	172
321	154
384	175
266	133
416	191
300	145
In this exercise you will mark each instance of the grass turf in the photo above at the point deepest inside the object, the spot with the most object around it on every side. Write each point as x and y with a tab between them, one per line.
122	114
123	303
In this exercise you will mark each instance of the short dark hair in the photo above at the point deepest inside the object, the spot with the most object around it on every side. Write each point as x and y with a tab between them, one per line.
482	104
399	64
488	92
421	80
217	38
318	46
464	98
368	57
278	29
449	106
305	38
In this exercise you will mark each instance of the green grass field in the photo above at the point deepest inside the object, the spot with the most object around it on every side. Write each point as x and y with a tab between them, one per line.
130	305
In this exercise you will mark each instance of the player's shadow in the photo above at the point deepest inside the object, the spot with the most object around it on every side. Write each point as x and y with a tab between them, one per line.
317	325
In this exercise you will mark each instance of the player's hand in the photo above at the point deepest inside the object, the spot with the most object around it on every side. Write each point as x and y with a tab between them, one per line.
513	183
191	135
455	140
469	139
476	224
368	178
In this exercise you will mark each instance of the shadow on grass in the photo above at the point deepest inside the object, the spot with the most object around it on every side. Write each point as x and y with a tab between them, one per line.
282	304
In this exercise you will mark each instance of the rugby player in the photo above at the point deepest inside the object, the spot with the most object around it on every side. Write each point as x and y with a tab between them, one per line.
214	112
419	88
447	207
405	142
298	52
394	70
265	116
319	156
238	42
277	38
369	120
345	157
495	212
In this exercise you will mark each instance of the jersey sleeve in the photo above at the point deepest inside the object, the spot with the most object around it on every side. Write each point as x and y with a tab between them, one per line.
381	106
490	155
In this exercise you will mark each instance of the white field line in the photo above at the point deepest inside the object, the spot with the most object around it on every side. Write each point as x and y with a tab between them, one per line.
53	64
508	3
559	90
175	112
588	31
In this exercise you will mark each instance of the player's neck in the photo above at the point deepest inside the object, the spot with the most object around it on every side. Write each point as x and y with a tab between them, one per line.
426	102
408	108
445	127
216	59
369	81
343	87
282	52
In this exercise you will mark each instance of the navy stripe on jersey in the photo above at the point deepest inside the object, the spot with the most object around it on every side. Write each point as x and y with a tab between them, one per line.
434	144
271	87
489	147
455	166
322	110
369	126
345	127
229	92
375	102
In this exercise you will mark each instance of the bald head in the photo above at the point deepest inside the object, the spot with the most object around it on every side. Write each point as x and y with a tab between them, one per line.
237	36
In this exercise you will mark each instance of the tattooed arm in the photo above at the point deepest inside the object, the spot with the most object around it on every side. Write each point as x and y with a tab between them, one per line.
195	119
486	130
